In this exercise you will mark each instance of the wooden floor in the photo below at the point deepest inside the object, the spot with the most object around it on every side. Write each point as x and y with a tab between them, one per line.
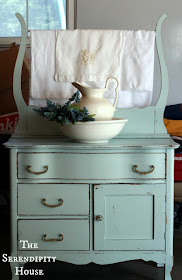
133	270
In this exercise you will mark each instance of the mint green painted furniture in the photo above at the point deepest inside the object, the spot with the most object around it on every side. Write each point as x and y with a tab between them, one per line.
101	203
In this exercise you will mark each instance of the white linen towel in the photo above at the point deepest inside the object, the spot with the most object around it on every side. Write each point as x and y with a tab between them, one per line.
87	55
43	84
137	61
130	99
134	91
126	99
136	70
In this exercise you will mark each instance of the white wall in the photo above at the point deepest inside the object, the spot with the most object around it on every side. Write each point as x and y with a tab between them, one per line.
142	14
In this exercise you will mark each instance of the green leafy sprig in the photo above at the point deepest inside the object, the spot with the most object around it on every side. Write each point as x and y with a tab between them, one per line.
70	112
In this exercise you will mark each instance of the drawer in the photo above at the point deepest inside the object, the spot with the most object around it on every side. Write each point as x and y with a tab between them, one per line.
53	199
54	234
91	166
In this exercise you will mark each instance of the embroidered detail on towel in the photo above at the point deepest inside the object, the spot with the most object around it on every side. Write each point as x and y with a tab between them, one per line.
88	57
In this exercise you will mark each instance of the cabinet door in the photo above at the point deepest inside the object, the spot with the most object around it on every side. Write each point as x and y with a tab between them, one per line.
129	217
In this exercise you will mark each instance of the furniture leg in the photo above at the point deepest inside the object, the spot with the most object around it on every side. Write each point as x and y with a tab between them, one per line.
16	270
168	268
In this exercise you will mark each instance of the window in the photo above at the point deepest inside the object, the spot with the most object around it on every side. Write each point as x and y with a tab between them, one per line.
38	14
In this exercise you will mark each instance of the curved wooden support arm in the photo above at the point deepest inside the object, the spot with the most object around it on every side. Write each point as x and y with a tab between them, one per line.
164	73
21	105
160	106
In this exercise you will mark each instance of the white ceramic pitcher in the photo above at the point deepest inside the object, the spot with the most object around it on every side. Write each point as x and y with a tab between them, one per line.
93	100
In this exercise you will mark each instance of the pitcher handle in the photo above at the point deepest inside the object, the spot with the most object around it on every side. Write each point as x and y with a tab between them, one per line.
116	96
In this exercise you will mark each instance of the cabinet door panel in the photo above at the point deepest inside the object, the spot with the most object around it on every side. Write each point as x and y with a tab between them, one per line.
133	217
133	221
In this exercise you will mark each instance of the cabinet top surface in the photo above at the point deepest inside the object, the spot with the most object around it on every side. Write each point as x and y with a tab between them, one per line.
61	143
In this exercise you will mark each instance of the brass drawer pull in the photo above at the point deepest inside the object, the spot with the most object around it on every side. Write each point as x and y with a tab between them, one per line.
52	206
36	173
52	239
141	172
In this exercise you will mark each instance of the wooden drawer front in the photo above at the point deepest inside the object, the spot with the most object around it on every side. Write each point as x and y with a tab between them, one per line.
68	199
90	166
75	234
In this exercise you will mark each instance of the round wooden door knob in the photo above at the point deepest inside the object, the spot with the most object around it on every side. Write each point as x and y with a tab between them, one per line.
99	218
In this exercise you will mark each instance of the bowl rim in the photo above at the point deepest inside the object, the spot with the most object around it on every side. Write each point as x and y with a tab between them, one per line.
114	120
